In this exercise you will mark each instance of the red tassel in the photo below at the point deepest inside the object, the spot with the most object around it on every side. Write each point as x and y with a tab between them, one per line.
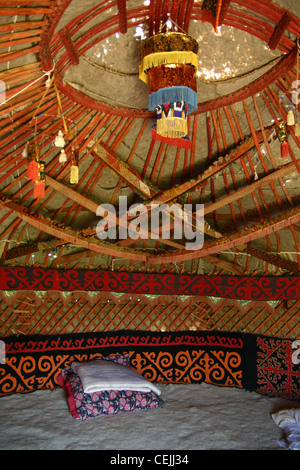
39	189
284	150
33	170
177	142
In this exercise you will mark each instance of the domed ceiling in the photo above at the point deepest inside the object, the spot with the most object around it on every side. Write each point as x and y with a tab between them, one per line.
70	69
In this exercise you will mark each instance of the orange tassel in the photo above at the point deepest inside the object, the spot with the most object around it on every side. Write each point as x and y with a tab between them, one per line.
33	171
39	189
284	150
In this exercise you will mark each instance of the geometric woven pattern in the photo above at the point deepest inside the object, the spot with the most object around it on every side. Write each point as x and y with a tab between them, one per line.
25	315
277	375
56	317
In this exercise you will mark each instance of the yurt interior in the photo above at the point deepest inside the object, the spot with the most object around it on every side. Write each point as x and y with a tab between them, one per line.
150	229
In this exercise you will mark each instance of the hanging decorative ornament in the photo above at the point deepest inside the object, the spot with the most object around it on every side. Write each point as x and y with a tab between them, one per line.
33	156
62	156
168	64
297	129
290	118
25	153
39	185
59	140
283	137
74	173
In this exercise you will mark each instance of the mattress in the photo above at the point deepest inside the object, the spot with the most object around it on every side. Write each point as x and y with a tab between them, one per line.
193	417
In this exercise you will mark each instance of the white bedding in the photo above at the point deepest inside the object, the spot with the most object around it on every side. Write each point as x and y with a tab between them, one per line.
98	375
289	421
194	417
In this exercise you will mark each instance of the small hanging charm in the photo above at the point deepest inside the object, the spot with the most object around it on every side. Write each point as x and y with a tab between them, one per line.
25	153
297	129
48	80
39	189
283	136
62	156
33	156
74	173
39	185
59	140
290	118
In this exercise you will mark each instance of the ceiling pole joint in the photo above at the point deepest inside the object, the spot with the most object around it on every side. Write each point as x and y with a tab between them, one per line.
69	46
279	31
122	16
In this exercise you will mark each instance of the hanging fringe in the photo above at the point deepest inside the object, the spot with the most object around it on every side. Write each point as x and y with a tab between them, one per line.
33	155
39	189
284	149
282	135
39	185
166	58
32	171
74	173
297	129
183	142
172	127
74	176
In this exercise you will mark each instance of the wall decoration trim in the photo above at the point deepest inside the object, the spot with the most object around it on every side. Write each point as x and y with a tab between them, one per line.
240	360
231	287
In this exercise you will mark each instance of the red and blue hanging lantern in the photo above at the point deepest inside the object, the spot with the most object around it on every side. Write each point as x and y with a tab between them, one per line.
169	63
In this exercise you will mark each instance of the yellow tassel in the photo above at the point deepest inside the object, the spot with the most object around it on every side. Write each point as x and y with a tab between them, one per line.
290	118
172	127
166	58
297	129
74	176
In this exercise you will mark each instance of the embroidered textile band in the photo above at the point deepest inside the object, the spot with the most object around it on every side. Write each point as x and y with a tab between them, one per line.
172	95
171	76
166	58
183	142
167	42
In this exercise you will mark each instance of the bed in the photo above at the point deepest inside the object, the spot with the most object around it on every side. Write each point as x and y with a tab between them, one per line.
209	391
205	417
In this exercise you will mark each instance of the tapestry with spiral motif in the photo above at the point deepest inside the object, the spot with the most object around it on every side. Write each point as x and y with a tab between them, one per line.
34	362
270	366
233	287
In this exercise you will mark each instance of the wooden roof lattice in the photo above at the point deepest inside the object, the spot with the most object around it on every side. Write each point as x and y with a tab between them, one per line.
233	167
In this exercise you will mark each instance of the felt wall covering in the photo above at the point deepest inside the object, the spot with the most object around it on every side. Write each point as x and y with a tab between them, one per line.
226	359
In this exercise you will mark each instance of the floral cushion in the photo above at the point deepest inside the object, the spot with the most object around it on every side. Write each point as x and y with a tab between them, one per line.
84	406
